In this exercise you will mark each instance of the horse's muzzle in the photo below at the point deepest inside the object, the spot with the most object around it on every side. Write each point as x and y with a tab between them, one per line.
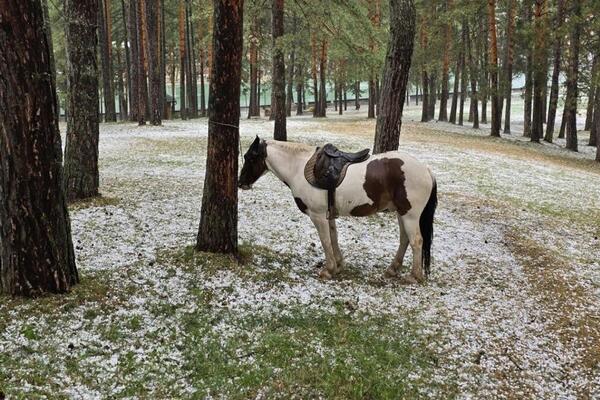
245	187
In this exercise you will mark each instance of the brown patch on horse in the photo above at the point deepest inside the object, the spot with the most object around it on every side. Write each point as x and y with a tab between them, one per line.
363	210
300	204
384	184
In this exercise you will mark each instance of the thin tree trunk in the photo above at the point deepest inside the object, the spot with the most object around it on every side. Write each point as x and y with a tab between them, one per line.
432	96
443	114
455	91
218	218
126	42
182	62
555	72
540	78
142	73
81	153
463	74
572	77
121	88
253	109
425	99
278	109
508	64
104	32
496	112
189	72
134	66
152	36
395	75
592	93
323	80
473	77
36	250
290	85
299	88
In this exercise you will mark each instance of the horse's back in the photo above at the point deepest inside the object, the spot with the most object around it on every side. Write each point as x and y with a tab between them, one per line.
393	180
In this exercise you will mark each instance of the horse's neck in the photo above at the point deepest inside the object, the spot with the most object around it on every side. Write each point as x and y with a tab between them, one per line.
285	163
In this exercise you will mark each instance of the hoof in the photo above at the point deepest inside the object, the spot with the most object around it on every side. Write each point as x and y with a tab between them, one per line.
390	272
340	265
409	279
325	274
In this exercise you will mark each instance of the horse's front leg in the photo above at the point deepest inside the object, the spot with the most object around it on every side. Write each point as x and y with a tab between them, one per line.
322	225
339	258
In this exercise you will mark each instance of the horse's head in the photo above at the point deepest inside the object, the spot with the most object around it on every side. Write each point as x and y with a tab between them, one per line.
255	164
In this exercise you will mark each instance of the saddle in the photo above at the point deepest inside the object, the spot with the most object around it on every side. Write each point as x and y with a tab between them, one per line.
326	170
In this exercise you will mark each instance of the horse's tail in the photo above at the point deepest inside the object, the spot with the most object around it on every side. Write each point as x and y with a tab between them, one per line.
426	226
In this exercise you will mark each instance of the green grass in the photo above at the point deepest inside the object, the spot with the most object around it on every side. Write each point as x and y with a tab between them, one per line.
310	354
291	351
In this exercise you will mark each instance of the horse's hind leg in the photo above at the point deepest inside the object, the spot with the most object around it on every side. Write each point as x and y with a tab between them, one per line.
322	225
339	258
394	268
412	229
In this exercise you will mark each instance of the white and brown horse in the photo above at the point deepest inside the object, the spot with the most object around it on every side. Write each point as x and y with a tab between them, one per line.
392	181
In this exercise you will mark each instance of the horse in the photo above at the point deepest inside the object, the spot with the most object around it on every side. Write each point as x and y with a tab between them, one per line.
391	181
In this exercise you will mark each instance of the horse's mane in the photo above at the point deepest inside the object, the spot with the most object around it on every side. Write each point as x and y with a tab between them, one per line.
291	147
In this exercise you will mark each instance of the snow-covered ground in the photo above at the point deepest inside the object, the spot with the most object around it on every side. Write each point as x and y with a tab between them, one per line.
512	309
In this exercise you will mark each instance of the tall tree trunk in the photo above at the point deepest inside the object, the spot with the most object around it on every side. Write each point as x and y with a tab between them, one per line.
372	94
203	94
395	75
443	115
473	77
508	63
280	130
81	153
141	64
357	93
163	58
124	115
558	40
191	53
313	70
595	129
425	99
592	93
455	90
134	66
572	77
528	77
36	251
496	112
540	77
126	41
189	72
172	78
323	79
463	74
104	31
182	62
253	109
432	95
218	219
152	36
290	86
299	86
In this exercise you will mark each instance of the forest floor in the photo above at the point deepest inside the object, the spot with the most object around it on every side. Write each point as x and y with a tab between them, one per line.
512	309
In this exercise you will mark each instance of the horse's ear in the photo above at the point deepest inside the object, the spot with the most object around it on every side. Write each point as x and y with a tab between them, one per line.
256	141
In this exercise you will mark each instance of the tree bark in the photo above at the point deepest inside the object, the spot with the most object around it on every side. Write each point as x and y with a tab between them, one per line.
455	91
432	96
508	63
313	70
555	71
131	11
572	77
496	112
540	77
443	114
473	78
182	62
528	77
299	88
395	75
81	154
104	32
191	63
253	109
280	132
323	80
152	36
36	250
141	63
218	220
127	57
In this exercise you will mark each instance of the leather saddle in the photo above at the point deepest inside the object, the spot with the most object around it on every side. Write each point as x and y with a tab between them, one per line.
326	170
